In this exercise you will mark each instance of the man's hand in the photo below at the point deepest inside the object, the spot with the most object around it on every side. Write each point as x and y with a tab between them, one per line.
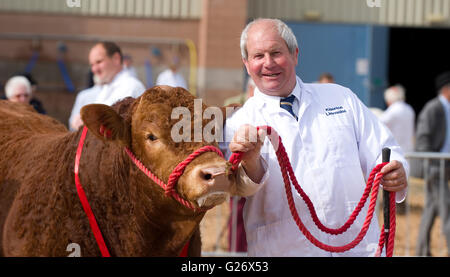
249	141
394	177
77	122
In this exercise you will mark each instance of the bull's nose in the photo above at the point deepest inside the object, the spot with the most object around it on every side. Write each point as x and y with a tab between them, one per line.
216	186
210	173
213	179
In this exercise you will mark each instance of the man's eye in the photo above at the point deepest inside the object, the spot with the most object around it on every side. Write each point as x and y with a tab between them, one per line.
151	137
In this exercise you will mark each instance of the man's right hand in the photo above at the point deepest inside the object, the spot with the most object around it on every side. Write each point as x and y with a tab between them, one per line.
249	140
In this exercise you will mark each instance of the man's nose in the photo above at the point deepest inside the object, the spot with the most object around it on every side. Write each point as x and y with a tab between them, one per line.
94	69
268	60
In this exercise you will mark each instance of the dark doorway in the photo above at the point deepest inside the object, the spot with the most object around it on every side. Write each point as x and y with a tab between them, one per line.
416	57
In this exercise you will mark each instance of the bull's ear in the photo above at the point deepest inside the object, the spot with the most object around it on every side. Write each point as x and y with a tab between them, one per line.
105	123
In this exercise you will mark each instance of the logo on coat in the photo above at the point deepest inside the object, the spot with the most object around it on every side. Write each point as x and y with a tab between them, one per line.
335	110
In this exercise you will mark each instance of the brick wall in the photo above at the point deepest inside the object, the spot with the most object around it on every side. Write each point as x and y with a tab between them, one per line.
216	37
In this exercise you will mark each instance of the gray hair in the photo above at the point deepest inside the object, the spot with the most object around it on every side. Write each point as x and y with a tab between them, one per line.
283	30
13	83
394	94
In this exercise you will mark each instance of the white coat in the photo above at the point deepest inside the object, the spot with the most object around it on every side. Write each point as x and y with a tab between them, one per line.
399	118
333	147
122	86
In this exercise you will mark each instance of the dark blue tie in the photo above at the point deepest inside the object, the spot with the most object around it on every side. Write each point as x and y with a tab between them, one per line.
287	104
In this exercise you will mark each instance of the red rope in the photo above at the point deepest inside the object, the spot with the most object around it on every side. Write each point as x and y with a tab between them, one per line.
169	188
84	202
288	177
372	184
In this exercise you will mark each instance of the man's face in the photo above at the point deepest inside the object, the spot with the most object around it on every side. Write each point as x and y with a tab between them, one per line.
269	62
446	92
104	67
20	94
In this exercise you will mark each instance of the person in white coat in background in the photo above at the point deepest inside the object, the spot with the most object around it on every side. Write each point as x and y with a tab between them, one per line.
113	82
399	117
172	75
332	140
106	62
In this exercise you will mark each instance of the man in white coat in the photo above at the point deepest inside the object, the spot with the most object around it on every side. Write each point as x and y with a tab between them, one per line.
332	140
113	81
106	62
399	117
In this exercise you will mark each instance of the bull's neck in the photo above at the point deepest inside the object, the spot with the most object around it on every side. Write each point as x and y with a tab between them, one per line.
166	225
103	173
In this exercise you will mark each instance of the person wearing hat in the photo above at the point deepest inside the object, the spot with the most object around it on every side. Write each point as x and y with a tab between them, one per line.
433	135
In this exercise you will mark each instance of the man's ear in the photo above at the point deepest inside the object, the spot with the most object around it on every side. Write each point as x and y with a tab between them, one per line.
106	124
245	61
118	60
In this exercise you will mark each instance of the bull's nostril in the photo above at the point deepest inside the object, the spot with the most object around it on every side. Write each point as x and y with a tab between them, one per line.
210	174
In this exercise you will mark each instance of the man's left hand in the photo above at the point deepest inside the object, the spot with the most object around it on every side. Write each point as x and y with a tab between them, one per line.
394	177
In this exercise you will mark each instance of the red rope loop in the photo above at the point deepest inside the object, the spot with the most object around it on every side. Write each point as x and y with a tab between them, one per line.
373	183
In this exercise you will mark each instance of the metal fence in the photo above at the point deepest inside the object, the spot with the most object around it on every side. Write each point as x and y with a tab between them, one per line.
425	160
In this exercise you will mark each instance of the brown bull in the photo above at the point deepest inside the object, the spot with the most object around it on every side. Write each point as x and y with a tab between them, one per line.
40	212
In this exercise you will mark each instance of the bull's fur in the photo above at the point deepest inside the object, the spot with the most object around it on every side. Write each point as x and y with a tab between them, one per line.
40	212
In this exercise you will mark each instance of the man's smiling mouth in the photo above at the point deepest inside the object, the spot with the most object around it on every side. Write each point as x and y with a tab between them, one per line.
271	75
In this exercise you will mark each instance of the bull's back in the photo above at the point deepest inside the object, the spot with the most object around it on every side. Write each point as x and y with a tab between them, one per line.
16	117
26	137
27	143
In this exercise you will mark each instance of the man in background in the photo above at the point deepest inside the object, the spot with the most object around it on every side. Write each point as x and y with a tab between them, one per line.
106	62
171	76
433	135
326	78
399	117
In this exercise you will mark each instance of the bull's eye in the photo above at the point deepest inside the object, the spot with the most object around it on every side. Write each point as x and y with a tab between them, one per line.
151	137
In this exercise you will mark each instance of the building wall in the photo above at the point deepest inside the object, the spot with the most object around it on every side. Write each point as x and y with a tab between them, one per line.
120	8
384	12
220	63
213	27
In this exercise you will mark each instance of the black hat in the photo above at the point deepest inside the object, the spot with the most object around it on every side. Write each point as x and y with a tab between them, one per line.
442	80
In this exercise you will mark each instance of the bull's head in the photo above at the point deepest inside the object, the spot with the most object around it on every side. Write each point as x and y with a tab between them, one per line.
147	131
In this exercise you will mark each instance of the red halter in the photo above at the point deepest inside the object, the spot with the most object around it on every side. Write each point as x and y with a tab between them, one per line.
169	188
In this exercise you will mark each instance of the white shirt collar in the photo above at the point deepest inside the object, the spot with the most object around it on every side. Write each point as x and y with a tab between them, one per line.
274	101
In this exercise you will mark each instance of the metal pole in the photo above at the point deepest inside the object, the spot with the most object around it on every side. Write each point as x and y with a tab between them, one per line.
386	155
